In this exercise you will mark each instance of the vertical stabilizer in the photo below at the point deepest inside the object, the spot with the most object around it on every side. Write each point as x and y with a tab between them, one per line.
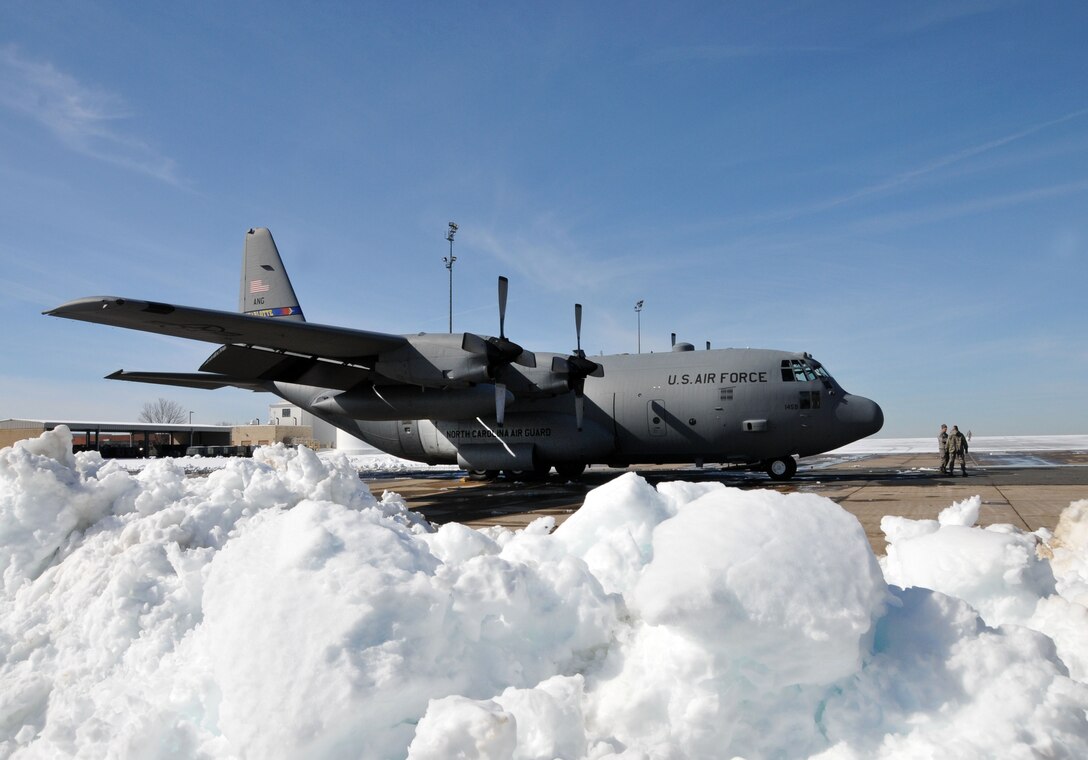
266	290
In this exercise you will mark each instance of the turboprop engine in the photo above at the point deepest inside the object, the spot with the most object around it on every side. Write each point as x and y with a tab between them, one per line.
409	403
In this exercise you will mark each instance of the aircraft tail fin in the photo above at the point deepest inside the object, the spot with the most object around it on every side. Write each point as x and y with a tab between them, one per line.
266	290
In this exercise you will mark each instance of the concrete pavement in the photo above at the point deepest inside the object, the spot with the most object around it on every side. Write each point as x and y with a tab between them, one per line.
1026	489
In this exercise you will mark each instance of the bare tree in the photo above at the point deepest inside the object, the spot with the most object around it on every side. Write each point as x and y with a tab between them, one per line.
163	410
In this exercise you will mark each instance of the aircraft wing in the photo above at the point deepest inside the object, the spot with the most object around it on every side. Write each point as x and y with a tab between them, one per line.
228	327
187	380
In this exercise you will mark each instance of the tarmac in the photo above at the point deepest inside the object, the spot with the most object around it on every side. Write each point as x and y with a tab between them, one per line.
1028	490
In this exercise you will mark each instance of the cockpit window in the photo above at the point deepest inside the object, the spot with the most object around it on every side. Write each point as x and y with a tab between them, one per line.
798	370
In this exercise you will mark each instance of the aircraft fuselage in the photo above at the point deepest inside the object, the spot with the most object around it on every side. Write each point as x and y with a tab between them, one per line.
716	406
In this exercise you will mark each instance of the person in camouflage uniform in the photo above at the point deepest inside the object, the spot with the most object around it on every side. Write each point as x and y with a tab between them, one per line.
957	447
942	446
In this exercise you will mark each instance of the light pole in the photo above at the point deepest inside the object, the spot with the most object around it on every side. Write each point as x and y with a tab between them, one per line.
638	313
449	265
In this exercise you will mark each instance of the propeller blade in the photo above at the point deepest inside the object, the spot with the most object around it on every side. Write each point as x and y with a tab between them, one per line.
579	408
578	327
504	286
526	359
500	402
474	344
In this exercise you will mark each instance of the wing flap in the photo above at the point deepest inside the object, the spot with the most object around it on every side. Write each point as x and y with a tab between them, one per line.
226	327
264	365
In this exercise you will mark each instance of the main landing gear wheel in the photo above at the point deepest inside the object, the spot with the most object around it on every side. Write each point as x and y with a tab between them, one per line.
782	468
527	476
569	471
482	474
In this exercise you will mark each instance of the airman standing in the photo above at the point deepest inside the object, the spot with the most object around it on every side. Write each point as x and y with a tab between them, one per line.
942	446
957	447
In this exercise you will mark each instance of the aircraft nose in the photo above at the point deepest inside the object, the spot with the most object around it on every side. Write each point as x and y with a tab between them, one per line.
864	416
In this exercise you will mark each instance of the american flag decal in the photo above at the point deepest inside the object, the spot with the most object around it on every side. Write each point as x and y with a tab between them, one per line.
258	286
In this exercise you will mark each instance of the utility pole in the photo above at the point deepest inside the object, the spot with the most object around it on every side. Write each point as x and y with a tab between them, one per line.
638	313
449	265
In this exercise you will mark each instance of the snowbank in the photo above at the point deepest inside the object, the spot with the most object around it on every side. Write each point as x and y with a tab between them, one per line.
274	608
367	462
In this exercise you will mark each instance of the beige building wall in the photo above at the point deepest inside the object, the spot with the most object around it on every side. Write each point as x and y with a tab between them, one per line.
263	435
9	436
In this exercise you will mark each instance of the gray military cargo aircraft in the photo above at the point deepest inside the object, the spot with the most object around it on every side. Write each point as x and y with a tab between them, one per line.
488	405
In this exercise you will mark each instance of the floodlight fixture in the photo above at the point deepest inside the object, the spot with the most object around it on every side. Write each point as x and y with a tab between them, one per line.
449	265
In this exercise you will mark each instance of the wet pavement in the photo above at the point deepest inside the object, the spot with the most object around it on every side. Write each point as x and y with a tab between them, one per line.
1026	489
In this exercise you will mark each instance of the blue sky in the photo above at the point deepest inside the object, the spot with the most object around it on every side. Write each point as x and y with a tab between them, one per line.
900	188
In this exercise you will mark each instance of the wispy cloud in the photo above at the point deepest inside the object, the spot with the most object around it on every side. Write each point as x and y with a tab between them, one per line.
86	119
712	53
974	206
921	18
911	177
555	260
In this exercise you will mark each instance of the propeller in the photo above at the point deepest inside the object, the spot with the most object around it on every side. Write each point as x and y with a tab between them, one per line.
499	352
577	368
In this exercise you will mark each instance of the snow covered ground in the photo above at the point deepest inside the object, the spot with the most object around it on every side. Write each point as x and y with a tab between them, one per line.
978	444
274	609
379	463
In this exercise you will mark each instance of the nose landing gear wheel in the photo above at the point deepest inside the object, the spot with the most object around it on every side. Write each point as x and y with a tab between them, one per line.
782	468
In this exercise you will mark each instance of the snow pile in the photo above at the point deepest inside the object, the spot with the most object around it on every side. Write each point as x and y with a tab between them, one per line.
368	463
274	608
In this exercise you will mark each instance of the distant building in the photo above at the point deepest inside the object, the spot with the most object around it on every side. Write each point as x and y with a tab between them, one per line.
264	435
287	423
121	439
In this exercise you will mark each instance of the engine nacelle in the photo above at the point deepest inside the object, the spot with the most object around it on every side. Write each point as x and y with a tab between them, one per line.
433	360
533	382
412	403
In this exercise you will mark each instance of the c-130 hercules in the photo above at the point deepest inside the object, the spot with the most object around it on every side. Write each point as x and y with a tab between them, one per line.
486	404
